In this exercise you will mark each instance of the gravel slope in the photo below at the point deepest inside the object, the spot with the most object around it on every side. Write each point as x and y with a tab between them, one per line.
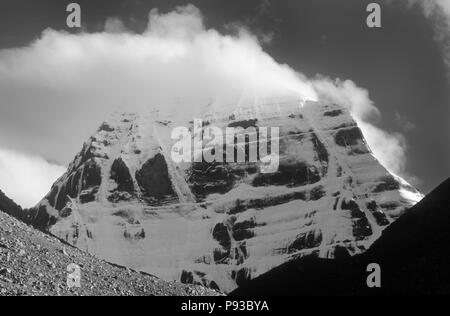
33	263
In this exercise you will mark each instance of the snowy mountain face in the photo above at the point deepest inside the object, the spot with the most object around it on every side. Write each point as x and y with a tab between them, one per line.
219	224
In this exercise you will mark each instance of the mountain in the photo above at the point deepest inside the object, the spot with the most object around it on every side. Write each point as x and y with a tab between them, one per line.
9	206
33	263
220	224
412	253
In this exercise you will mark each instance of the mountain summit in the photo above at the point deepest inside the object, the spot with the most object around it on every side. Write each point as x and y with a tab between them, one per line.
220	223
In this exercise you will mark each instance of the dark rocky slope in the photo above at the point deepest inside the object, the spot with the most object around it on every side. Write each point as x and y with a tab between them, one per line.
34	263
10	207
413	254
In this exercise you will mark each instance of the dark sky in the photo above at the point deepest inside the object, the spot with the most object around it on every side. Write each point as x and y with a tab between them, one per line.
400	64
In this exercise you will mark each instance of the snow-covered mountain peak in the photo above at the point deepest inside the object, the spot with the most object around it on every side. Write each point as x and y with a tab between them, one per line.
124	199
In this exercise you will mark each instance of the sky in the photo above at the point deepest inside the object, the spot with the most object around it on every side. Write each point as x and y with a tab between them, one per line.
57	84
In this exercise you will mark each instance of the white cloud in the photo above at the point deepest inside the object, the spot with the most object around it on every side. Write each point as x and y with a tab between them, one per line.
75	79
26	178
176	58
389	148
431	6
438	11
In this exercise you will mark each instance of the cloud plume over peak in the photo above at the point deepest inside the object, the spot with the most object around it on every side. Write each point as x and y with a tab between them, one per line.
389	148
72	80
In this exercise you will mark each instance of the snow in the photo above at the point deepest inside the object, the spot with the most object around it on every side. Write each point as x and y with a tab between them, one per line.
178	236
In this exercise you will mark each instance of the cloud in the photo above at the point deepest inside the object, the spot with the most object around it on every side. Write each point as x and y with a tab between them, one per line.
438	11
432	8
114	25
57	89
26	178
389	148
